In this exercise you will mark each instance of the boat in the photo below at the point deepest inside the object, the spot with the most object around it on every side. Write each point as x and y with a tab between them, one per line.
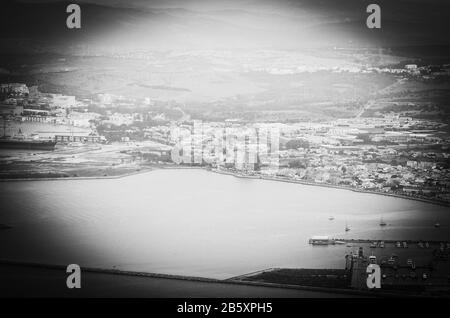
347	228
382	223
331	218
30	144
398	244
382	244
437	224
373	245
20	141
321	240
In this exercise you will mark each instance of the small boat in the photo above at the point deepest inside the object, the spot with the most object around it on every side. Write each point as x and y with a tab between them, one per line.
437	224
373	245
427	245
347	228
382	223
398	244
382	244
405	245
331	218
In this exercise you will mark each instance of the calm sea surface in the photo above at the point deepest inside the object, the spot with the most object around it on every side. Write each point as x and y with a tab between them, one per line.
194	222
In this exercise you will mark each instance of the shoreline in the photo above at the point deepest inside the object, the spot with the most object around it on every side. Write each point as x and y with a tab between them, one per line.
280	179
120	176
236	175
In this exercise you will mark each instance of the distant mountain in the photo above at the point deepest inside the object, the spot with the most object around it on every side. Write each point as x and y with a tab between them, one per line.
248	24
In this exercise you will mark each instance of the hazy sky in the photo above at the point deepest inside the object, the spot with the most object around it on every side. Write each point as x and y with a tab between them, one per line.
211	24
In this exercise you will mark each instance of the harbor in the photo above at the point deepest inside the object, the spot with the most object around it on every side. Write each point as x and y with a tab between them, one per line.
405	273
98	229
407	266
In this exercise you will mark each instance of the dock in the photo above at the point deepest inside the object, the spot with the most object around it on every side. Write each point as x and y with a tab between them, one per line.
368	241
325	240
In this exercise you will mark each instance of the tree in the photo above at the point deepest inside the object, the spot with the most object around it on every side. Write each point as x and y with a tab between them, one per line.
297	163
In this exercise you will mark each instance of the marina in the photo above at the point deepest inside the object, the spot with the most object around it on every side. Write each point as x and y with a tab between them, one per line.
325	240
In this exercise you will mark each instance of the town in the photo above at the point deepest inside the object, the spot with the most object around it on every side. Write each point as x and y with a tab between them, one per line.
387	152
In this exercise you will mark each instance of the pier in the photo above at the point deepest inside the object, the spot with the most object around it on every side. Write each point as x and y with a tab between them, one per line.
368	241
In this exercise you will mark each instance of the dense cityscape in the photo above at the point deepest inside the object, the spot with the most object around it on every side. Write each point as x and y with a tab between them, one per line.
395	151
229	149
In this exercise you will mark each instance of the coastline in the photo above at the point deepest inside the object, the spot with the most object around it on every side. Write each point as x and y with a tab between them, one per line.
120	176
194	279
281	179
236	175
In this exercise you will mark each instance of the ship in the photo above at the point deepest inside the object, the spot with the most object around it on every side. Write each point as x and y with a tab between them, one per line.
30	144
20	141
